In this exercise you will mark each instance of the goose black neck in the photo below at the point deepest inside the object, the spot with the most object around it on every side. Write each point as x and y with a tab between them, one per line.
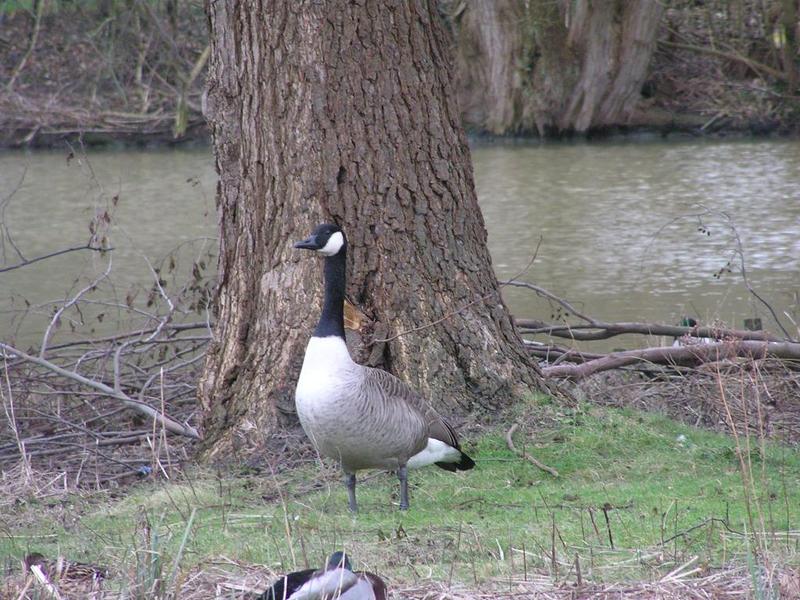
331	322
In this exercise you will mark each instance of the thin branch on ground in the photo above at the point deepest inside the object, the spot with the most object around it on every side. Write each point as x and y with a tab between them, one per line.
526	455
145	409
599	330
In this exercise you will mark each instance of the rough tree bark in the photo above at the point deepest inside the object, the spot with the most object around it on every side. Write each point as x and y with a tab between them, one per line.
490	81
342	111
553	67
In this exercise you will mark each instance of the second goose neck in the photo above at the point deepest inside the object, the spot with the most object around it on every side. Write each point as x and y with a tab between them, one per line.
331	322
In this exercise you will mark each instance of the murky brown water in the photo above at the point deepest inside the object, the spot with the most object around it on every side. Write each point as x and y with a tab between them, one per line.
617	221
165	201
619	226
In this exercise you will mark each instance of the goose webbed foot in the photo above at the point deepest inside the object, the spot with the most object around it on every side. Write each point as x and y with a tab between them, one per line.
402	475
350	484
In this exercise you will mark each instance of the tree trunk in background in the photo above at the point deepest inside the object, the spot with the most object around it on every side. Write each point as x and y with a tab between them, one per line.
342	111
491	40
575	65
789	49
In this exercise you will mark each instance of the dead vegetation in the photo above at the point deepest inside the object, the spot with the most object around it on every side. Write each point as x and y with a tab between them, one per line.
135	71
724	61
148	576
757	397
113	71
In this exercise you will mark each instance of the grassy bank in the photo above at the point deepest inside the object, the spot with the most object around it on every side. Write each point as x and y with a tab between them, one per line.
638	496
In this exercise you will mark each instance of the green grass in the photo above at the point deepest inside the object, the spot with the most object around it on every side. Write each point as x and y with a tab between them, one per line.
663	491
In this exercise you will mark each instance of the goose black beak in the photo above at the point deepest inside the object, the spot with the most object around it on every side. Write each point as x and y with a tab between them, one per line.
308	244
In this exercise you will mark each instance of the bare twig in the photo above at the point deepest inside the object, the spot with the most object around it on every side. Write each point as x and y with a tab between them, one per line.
12	420
165	296
551	296
140	407
31	261
6	233
40	576
93	284
437	321
524	454
757	67
37	22
599	330
729	223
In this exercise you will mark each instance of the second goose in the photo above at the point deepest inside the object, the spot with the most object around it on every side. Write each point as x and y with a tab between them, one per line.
363	417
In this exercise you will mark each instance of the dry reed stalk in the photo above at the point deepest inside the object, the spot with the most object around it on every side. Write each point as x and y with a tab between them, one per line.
8	408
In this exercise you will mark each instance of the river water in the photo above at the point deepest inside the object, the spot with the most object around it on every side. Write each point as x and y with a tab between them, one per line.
628	231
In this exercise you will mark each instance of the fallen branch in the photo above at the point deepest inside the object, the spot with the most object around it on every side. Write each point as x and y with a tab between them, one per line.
140	407
603	330
525	455
550	296
557	354
599	330
680	355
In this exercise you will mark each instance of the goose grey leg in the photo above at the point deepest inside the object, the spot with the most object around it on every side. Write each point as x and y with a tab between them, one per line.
402	475
350	483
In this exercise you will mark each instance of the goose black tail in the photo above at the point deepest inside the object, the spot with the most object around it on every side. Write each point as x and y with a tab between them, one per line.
465	464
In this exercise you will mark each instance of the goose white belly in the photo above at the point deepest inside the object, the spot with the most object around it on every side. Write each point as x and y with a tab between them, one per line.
342	423
327	375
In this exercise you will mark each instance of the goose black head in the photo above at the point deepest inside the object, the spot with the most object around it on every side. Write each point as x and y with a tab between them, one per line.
338	560
326	239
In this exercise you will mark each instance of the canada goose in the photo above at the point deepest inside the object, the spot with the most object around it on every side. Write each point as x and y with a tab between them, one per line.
366	418
335	580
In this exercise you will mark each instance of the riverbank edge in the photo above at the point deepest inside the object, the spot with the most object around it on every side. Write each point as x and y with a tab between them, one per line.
661	125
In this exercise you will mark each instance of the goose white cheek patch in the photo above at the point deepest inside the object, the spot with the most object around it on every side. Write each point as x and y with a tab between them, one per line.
334	244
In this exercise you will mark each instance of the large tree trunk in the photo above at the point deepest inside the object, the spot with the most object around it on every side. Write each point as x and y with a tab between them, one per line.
553	66
342	111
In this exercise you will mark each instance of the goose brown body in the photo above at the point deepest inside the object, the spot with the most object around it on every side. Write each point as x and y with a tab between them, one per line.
366	418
